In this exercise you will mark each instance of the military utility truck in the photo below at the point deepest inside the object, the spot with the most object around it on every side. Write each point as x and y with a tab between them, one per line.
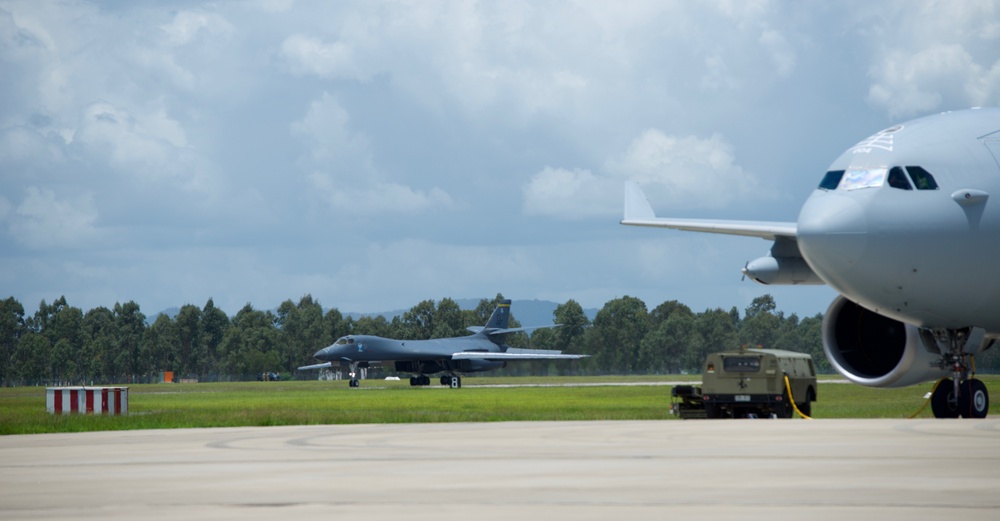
749	383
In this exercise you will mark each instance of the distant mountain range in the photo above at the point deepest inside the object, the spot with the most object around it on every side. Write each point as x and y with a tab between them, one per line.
527	312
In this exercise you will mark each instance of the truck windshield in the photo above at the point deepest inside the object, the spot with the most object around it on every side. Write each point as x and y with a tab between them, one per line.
741	364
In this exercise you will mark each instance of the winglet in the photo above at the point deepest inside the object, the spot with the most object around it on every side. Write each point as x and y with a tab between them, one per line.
637	207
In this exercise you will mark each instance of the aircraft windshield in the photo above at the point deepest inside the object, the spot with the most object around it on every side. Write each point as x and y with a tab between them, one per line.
344	340
858	178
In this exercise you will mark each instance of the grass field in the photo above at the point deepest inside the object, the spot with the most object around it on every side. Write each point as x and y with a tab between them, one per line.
483	399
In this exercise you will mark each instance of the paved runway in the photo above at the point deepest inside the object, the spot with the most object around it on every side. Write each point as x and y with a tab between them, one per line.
745	469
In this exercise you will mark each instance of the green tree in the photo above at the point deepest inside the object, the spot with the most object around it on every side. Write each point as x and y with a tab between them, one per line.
251	343
189	347
619	328
302	331
214	324
32	359
762	324
667	347
418	322
574	326
98	353
130	326
448	320
159	345
719	333
12	327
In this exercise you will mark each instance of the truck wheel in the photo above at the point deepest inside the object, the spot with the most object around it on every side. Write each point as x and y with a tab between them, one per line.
806	406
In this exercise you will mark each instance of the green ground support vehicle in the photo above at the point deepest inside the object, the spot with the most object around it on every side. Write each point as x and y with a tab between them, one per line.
749	383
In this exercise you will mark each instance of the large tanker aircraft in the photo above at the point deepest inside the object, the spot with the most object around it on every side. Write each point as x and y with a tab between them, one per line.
902	227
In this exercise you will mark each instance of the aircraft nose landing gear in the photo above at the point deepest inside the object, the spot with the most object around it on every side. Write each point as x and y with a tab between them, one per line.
961	395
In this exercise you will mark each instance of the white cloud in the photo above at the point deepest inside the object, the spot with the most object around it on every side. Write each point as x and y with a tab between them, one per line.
342	174
909	84
43	221
570	194
684	172
187	25
310	55
936	55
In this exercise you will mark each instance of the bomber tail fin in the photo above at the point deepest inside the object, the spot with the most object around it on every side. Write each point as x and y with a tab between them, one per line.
500	317
496	328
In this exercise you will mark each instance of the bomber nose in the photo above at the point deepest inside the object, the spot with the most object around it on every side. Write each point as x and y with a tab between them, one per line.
832	234
322	354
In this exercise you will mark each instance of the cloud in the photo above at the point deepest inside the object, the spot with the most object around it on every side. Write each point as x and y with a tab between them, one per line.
684	172
340	169
310	55
909	84
187	25
953	63
43	221
569	194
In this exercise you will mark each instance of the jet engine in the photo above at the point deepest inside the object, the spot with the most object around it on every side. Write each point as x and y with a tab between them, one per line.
876	351
781	270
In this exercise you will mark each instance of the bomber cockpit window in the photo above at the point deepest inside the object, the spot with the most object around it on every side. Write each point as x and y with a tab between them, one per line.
344	340
897	179
922	179
831	180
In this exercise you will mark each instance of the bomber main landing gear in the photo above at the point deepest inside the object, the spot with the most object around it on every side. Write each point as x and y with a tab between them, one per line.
452	380
420	380
960	395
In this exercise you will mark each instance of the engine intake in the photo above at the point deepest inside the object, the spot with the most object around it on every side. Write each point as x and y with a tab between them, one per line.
876	351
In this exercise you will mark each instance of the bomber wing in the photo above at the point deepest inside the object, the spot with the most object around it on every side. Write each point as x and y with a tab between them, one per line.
316	366
638	212
516	354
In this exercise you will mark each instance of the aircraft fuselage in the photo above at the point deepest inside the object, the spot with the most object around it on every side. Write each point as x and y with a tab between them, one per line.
891	242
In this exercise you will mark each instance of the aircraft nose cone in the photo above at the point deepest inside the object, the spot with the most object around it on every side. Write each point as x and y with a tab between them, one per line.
832	234
322	353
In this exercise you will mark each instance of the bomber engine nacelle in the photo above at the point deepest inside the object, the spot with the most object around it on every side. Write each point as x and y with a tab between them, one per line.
876	351
473	366
781	270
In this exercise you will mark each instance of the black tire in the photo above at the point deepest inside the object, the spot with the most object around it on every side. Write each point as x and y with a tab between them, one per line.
806	407
942	403
973	399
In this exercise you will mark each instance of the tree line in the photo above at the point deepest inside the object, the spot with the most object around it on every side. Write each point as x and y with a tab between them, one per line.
62	345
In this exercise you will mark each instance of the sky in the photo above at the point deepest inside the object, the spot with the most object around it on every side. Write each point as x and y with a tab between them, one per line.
378	154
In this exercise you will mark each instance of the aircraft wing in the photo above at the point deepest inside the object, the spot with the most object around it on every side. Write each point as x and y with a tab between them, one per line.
511	354
316	366
638	212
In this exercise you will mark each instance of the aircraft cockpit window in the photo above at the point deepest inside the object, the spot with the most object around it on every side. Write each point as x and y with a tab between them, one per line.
344	340
858	178
831	180
922	179
897	179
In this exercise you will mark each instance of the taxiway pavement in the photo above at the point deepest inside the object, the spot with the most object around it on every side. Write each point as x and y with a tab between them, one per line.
726	469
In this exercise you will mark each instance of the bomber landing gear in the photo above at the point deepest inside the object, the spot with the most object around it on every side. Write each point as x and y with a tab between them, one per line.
420	380
452	380
353	372
960	395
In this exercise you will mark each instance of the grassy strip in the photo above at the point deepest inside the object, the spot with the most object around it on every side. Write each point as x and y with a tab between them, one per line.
166	406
